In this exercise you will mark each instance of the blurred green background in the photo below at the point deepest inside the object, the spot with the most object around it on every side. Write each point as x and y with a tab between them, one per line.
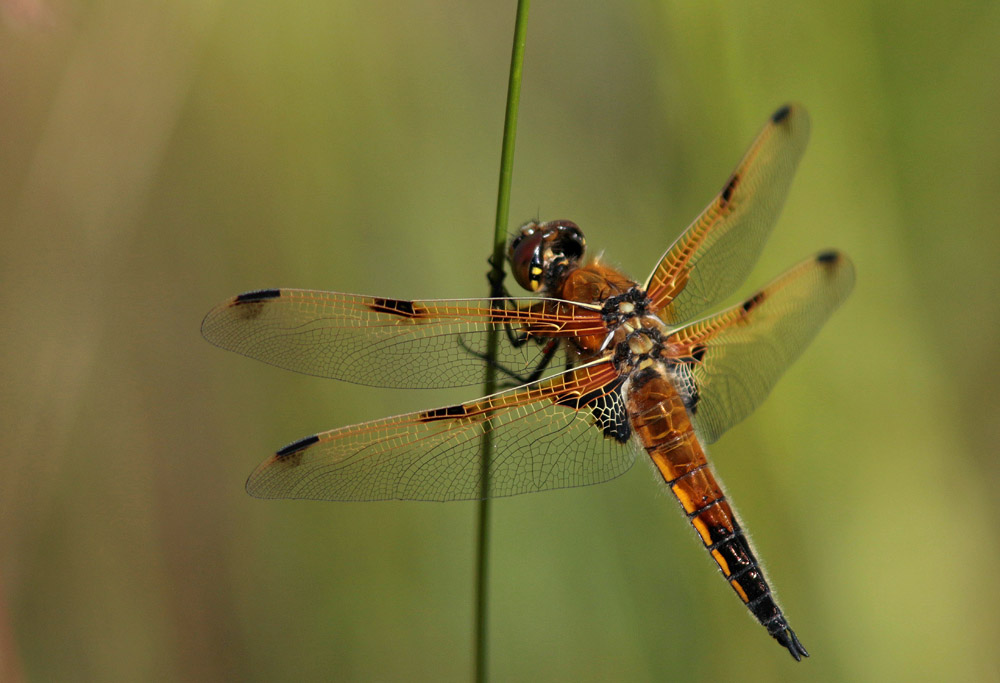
158	157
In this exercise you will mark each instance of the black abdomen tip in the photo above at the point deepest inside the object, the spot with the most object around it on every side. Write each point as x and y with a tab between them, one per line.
781	114
297	446
258	295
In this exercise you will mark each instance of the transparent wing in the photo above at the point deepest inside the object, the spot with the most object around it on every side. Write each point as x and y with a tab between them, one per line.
730	361
392	342
717	251
569	430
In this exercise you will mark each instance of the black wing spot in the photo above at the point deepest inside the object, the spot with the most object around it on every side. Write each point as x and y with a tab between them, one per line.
607	407
296	447
686	383
609	410
781	114
828	257
753	302
698	352
400	307
257	295
727	191
443	413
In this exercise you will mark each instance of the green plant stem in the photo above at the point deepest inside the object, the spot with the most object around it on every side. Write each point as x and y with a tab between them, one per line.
496	276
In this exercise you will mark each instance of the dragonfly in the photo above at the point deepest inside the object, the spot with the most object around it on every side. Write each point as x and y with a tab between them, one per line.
599	367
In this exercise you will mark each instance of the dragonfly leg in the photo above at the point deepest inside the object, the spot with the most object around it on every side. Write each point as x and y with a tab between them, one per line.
518	378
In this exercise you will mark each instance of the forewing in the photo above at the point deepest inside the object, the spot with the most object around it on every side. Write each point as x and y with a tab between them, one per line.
569	430
729	362
390	342
717	251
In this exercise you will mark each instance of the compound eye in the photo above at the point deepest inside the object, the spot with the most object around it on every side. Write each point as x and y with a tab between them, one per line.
525	256
566	239
570	240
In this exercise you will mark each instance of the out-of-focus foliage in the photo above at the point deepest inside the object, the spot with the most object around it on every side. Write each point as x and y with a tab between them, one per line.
157	157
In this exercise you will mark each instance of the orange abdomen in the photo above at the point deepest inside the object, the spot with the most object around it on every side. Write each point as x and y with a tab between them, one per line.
663	425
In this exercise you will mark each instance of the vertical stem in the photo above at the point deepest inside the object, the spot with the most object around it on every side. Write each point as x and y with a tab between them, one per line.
496	276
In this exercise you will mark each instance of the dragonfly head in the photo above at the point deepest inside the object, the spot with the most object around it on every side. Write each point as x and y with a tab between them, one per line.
542	254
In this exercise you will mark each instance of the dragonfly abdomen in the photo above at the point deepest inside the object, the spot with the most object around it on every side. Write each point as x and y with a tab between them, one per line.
663	425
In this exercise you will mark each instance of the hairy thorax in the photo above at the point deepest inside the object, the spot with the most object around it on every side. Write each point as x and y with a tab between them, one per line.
635	336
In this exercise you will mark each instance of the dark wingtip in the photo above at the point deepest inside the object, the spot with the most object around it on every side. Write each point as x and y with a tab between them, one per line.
830	256
789	640
257	295
781	114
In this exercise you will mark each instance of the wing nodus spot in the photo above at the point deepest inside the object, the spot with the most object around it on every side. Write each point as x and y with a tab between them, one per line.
400	307
296	447
444	413
727	191
753	302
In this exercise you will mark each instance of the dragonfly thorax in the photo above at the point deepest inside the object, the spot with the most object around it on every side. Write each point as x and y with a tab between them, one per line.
636	335
636	347
626	309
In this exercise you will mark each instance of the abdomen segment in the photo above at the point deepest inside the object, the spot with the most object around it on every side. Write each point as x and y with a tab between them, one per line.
664	427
